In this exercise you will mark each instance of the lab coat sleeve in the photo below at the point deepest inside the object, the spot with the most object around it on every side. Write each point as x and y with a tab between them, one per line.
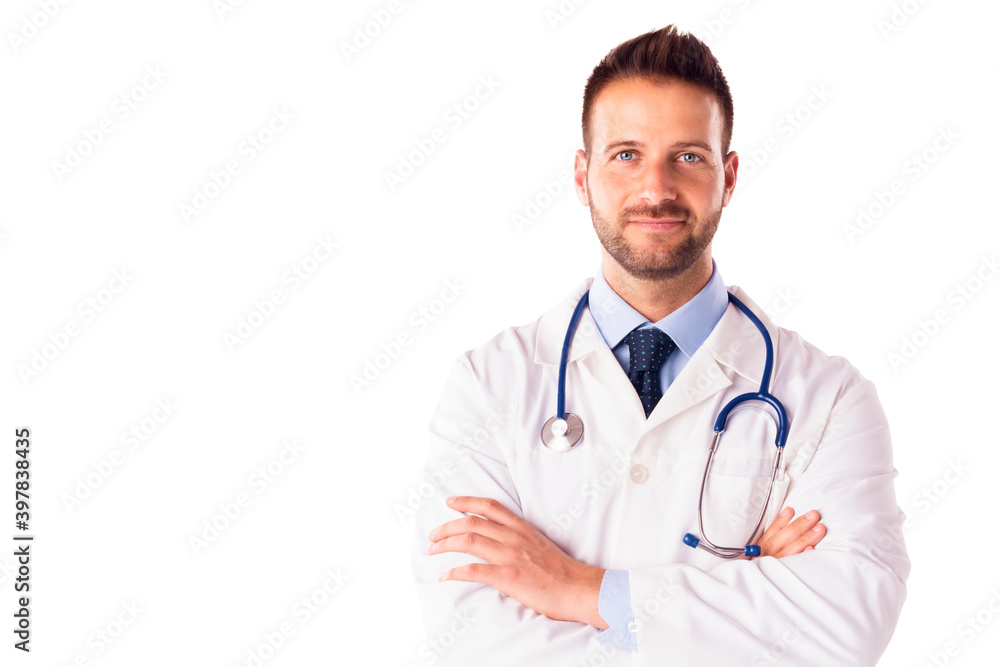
471	623
835	605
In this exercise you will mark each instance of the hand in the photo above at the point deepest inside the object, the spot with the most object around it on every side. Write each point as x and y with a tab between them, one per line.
521	562
787	539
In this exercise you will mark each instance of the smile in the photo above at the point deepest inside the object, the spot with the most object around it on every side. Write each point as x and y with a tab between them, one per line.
657	225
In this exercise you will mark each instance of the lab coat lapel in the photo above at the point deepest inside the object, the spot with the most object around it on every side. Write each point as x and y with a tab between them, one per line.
595	359
552	330
701	378
735	346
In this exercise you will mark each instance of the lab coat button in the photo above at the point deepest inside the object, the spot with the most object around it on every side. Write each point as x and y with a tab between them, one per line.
633	627
638	473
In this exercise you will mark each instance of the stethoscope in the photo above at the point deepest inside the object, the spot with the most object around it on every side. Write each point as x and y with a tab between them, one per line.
565	430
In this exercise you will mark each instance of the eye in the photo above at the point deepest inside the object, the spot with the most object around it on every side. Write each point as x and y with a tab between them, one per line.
623	155
690	155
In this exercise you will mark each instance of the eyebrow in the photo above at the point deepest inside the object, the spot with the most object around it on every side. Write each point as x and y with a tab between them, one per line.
629	143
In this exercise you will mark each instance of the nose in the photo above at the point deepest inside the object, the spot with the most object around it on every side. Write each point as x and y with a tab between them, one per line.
658	183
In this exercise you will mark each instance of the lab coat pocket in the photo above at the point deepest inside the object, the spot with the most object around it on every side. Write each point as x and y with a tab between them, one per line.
735	491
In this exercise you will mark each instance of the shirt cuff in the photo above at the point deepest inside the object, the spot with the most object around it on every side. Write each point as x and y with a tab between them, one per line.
615	606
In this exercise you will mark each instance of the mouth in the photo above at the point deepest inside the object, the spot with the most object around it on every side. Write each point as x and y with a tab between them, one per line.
658	224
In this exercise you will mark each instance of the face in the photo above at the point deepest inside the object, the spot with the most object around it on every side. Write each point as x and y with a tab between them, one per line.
656	180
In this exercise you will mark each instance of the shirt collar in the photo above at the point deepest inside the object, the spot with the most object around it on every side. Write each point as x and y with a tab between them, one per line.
688	326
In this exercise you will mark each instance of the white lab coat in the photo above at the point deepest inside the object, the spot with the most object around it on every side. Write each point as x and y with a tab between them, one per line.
626	495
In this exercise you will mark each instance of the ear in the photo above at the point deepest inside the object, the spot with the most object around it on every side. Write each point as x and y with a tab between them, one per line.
729	167
580	177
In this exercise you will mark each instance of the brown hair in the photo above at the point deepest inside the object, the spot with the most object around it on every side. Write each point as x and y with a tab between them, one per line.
658	55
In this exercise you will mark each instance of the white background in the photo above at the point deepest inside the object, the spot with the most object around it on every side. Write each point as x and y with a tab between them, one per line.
336	505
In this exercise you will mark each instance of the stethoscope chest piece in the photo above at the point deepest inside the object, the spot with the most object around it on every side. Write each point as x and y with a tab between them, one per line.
562	434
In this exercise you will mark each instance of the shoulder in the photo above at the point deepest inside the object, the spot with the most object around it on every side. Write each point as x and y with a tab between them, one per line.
831	397
518	348
826	397
489	381
830	381
503	358
796	357
800	364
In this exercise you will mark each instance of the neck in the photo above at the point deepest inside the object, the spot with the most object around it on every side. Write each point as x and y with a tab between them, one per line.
656	298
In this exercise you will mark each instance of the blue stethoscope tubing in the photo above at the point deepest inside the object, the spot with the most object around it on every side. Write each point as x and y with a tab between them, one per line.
565	425
564	431
564	359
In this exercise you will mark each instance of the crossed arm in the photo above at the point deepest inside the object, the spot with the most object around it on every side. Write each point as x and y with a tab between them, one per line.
524	564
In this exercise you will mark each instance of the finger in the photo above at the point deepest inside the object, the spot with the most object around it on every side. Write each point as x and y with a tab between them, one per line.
806	534
477	572
800	526
778	541
779	522
815	536
470	524
492	509
807	541
473	544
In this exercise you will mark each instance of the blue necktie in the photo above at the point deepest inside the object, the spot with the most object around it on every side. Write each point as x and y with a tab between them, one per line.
647	350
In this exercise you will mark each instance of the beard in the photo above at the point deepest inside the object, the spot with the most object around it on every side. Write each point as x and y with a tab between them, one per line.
657	263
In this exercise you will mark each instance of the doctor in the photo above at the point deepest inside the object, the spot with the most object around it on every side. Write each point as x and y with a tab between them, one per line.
530	556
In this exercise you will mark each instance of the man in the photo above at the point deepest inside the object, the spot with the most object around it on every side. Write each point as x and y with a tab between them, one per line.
575	557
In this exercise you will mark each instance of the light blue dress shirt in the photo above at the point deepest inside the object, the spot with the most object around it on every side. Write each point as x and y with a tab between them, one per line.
688	327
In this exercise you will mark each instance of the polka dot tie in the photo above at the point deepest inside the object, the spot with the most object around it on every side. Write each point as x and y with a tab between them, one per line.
647	350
